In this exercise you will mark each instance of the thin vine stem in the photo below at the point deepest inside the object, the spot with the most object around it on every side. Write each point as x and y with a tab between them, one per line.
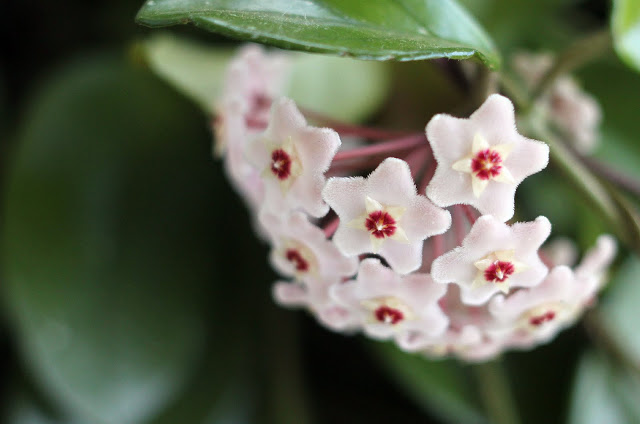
382	148
618	178
468	212
579	175
346	129
576	55
496	393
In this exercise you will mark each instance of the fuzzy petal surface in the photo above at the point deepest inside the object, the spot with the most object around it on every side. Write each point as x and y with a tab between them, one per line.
414	298
391	187
307	151
488	236
452	141
294	233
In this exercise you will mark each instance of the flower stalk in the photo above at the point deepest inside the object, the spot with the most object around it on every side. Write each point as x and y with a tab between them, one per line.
386	147
576	55
496	393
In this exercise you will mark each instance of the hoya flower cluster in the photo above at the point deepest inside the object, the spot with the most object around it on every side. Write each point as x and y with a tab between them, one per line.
406	238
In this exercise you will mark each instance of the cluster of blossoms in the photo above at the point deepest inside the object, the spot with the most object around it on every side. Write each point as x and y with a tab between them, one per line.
419	251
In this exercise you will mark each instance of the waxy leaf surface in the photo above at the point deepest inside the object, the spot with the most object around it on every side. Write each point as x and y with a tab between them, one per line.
380	30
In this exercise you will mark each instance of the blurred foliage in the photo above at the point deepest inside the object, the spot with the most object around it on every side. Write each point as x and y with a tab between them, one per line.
604	394
611	82
620	307
625	25
440	386
520	25
87	179
129	297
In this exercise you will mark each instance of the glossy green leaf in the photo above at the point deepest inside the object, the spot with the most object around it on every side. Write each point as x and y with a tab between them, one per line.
625	25
341	88
380	30
603	394
107	241
440	386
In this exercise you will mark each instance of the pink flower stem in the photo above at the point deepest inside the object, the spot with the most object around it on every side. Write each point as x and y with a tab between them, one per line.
417	159
331	227
444	305
471	217
438	246
426	178
458	224
353	166
367	132
382	148
256	124
346	129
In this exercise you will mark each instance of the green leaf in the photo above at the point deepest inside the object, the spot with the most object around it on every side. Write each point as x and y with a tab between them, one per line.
107	250
24	406
381	30
603	394
440	387
341	88
625	26
23	410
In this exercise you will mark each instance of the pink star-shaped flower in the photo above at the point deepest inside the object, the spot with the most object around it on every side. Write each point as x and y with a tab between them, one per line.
252	80
301	250
293	157
314	296
596	260
536	315
532	316
494	257
389	304
255	77
231	132
481	160
447	343
383	214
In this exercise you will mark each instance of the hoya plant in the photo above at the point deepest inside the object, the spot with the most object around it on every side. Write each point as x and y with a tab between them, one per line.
409	210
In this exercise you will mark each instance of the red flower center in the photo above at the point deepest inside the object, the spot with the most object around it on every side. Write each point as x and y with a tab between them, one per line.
280	164
388	315
538	320
294	256
486	164
498	271
380	224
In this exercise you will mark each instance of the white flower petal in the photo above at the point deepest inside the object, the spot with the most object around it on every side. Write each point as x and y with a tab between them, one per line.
491	126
